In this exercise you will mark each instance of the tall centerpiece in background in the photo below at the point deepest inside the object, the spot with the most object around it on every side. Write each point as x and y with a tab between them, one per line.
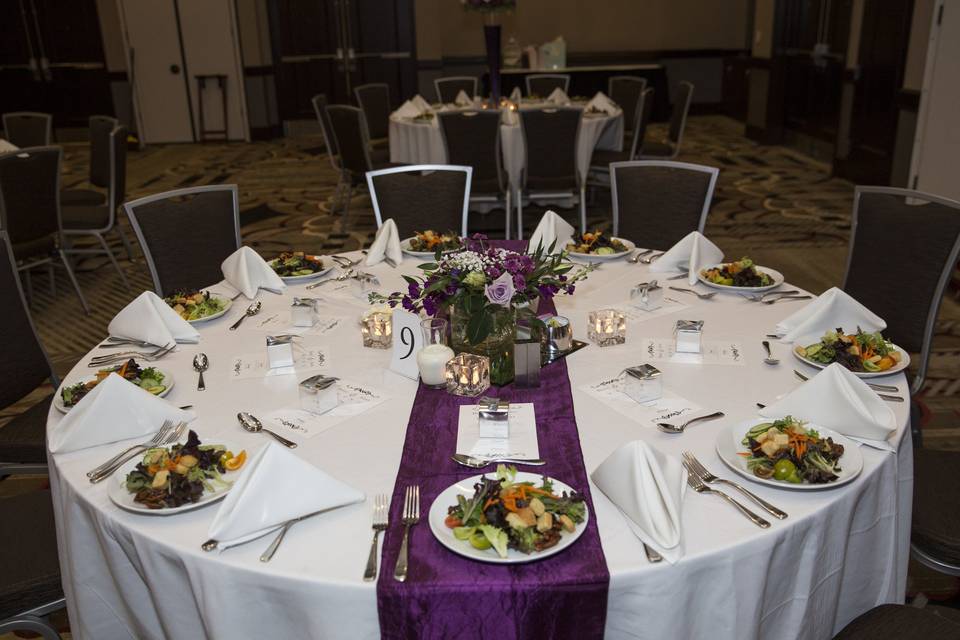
484	291
491	10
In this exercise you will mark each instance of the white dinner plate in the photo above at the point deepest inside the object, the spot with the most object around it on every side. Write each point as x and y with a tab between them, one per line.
774	274
118	493
443	533
610	256
227	303
405	247
729	445
62	408
310	276
806	341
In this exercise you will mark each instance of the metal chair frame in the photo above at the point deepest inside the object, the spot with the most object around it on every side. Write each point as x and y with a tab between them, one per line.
346	175
33	114
418	168
438	81
538	76
675	144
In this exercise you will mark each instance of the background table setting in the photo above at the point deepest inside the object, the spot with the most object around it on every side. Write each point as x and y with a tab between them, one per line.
286	550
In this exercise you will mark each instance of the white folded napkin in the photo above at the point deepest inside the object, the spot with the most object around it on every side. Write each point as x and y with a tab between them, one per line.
601	102
115	409
277	485
407	110
692	253
559	97
462	99
516	96
551	228
247	272
648	487
386	244
833	309
151	319
837	399
422	105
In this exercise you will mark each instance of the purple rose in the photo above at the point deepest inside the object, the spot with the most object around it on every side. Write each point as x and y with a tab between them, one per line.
501	290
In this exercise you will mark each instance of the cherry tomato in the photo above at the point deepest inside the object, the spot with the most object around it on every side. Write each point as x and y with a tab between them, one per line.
452	522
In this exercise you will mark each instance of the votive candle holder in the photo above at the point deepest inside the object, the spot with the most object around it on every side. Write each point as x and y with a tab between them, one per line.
607	327
377	330
468	375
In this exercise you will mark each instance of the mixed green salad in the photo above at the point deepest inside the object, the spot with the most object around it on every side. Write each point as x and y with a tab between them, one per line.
147	378
430	241
296	263
860	351
597	244
195	305
787	451
742	273
503	514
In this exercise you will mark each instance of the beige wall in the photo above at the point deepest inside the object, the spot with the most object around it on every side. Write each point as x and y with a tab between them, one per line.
110	28
917	49
444	29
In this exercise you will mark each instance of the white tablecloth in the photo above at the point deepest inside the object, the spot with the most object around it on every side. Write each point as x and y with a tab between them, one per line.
841	551
7	147
414	142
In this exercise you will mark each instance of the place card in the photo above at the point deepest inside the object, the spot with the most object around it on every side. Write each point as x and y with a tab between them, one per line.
636	314
280	322
725	352
299	425
522	442
670	407
256	365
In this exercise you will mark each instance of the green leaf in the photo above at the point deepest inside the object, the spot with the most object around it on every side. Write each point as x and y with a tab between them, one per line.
428	266
479	327
411	280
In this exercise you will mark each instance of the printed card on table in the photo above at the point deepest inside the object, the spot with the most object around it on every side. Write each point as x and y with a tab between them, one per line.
726	352
636	314
669	408
299	425
280	323
256	365
522	442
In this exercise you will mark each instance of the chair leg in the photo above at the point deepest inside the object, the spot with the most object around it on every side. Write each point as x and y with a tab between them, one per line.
73	279
123	239
107	250
520	215
583	209
346	205
506	215
53	280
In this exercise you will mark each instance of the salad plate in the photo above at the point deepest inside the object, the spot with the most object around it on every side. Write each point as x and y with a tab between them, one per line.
718	276
297	266
198	306
820	359
165	381
445	534
735	454
597	247
417	245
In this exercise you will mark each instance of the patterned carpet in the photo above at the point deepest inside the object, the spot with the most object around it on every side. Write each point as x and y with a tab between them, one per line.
771	203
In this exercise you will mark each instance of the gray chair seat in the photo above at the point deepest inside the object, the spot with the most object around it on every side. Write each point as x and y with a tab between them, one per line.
23	438
900	622
34	248
82	197
28	553
936	503
661	149
602	159
85	217
545	183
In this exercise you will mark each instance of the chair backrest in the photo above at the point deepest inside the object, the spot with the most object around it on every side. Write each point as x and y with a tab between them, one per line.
350	137
100	166
626	92
28	128
906	292
25	364
374	99
543	84
448	88
658	202
319	102
472	138
422	196
30	193
678	119
186	234
550	143
644	109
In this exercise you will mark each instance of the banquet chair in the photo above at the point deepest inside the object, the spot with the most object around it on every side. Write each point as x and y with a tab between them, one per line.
550	138
30	212
100	165
319	102
658	202
97	220
902	622
351	138
374	100
543	84
30	587
28	128
601	159
472	138
448	88
24	367
422	196
186	234
670	147
626	92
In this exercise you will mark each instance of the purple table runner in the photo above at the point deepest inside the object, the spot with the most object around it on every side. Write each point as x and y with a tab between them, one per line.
449	596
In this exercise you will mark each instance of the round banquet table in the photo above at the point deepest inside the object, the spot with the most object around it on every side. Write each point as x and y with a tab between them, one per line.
841	552
416	142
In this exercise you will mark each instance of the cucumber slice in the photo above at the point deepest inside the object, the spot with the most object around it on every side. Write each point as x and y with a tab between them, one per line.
605	251
157	390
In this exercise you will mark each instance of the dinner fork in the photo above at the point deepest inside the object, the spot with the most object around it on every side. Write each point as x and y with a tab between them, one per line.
697	485
649	259
381	512
760	297
695	466
346	262
702	296
114	358
340	278
411	516
635	259
152	442
171	437
122	342
785	298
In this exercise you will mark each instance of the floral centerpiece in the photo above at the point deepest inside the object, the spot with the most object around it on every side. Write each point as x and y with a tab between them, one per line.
484	290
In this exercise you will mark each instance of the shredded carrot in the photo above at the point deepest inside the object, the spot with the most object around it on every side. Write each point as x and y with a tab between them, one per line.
541	492
123	369
489	502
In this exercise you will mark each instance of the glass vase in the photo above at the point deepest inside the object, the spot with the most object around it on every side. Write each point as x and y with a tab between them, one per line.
497	346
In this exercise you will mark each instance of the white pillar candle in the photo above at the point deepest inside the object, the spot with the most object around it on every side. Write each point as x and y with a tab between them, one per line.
432	360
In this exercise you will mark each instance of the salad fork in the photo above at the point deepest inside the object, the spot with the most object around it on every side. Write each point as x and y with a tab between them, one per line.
651	258
340	278
114	358
171	437
697	485
152	442
702	296
696	467
641	254
346	262
381	512
411	516
121	342
787	298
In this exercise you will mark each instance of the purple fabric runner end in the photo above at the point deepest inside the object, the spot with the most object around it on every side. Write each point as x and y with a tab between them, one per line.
449	596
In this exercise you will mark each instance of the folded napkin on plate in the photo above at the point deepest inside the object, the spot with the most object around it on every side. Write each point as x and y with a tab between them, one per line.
837	399
422	105
648	487
462	99
559	97
114	410
151	319
833	309
516	96
407	110
277	485
601	102
385	245
247	272
692	253
551	228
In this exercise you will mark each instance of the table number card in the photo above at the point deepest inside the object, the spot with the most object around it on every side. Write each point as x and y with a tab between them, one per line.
407	342
726	352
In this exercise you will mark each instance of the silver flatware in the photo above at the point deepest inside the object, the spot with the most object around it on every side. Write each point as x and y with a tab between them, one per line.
252	310
479	463
172	436
698	485
267	555
340	278
122	342
200	364
652	556
785	298
769	359
114	358
253	425
157	438
872	385
696	467
345	262
666	427
636	257
381	514
702	296
679	276
651	258
411	516
760	297
212	544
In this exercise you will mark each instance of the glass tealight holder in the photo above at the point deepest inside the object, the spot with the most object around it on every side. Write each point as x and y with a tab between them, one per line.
647	296
433	357
607	327
377	329
468	375
319	394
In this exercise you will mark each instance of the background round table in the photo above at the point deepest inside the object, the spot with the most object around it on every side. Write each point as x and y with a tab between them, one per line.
841	551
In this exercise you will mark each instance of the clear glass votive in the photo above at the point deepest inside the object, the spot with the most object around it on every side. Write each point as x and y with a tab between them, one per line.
433	357
468	375
377	329
607	327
